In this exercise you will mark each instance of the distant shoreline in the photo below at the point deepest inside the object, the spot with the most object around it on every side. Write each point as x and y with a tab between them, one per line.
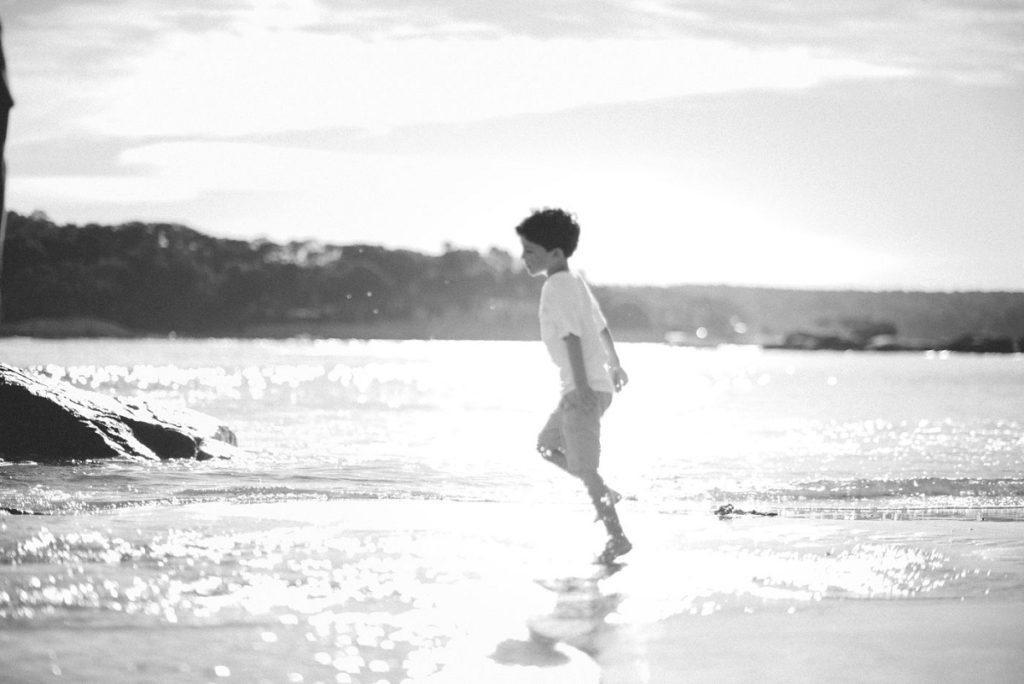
144	279
470	330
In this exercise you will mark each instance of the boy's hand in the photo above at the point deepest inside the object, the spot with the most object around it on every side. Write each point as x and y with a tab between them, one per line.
619	378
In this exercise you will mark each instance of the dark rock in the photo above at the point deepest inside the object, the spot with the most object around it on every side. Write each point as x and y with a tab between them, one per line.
813	341
982	344
49	421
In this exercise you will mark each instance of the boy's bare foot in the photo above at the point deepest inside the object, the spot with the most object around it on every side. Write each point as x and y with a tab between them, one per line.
616	546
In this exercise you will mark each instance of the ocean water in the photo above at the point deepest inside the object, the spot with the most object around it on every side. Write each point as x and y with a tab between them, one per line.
826	434
390	514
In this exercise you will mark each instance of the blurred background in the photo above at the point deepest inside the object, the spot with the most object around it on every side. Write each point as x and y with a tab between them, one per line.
355	169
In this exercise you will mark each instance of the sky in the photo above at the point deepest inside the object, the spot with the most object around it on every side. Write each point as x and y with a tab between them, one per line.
785	143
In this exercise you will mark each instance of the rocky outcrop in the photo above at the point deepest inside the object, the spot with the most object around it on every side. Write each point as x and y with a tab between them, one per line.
49	421
978	344
985	344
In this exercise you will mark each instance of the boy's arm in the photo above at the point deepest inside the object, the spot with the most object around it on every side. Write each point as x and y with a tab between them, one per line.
584	392
619	377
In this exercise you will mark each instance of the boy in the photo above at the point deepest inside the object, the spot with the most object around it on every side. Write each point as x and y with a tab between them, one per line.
577	337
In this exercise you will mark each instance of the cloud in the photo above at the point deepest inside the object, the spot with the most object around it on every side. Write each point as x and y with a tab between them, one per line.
679	228
979	41
235	85
110	190
839	128
149	68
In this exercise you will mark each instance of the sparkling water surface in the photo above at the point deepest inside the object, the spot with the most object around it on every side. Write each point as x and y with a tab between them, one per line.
870	434
390	518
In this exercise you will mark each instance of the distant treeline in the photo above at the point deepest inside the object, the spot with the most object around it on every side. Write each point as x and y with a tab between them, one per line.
765	315
159	278
165	277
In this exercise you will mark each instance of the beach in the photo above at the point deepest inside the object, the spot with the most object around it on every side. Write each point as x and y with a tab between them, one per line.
295	297
369	591
388	520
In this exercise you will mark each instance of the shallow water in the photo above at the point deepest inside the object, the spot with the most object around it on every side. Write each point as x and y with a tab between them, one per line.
390	518
456	421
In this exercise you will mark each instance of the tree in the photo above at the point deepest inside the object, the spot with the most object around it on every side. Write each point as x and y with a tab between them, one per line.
6	102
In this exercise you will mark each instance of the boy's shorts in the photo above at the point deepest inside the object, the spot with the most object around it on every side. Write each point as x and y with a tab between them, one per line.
575	432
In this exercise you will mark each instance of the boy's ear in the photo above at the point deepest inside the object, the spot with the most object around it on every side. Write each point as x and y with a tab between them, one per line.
558	252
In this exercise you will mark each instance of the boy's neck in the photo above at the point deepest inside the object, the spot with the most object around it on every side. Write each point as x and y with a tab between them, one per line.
560	267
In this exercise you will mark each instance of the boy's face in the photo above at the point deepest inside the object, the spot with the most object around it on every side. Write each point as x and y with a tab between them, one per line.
536	258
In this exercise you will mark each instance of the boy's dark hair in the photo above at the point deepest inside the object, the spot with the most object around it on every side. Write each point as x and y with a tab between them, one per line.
551	229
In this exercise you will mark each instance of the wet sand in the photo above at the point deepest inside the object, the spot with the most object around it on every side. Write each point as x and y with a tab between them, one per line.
395	591
837	641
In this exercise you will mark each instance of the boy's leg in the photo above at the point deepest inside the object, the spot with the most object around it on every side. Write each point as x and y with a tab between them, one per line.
551	441
582	433
618	544
604	503
556	456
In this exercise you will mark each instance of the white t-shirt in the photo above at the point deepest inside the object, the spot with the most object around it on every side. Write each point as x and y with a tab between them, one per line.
567	306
